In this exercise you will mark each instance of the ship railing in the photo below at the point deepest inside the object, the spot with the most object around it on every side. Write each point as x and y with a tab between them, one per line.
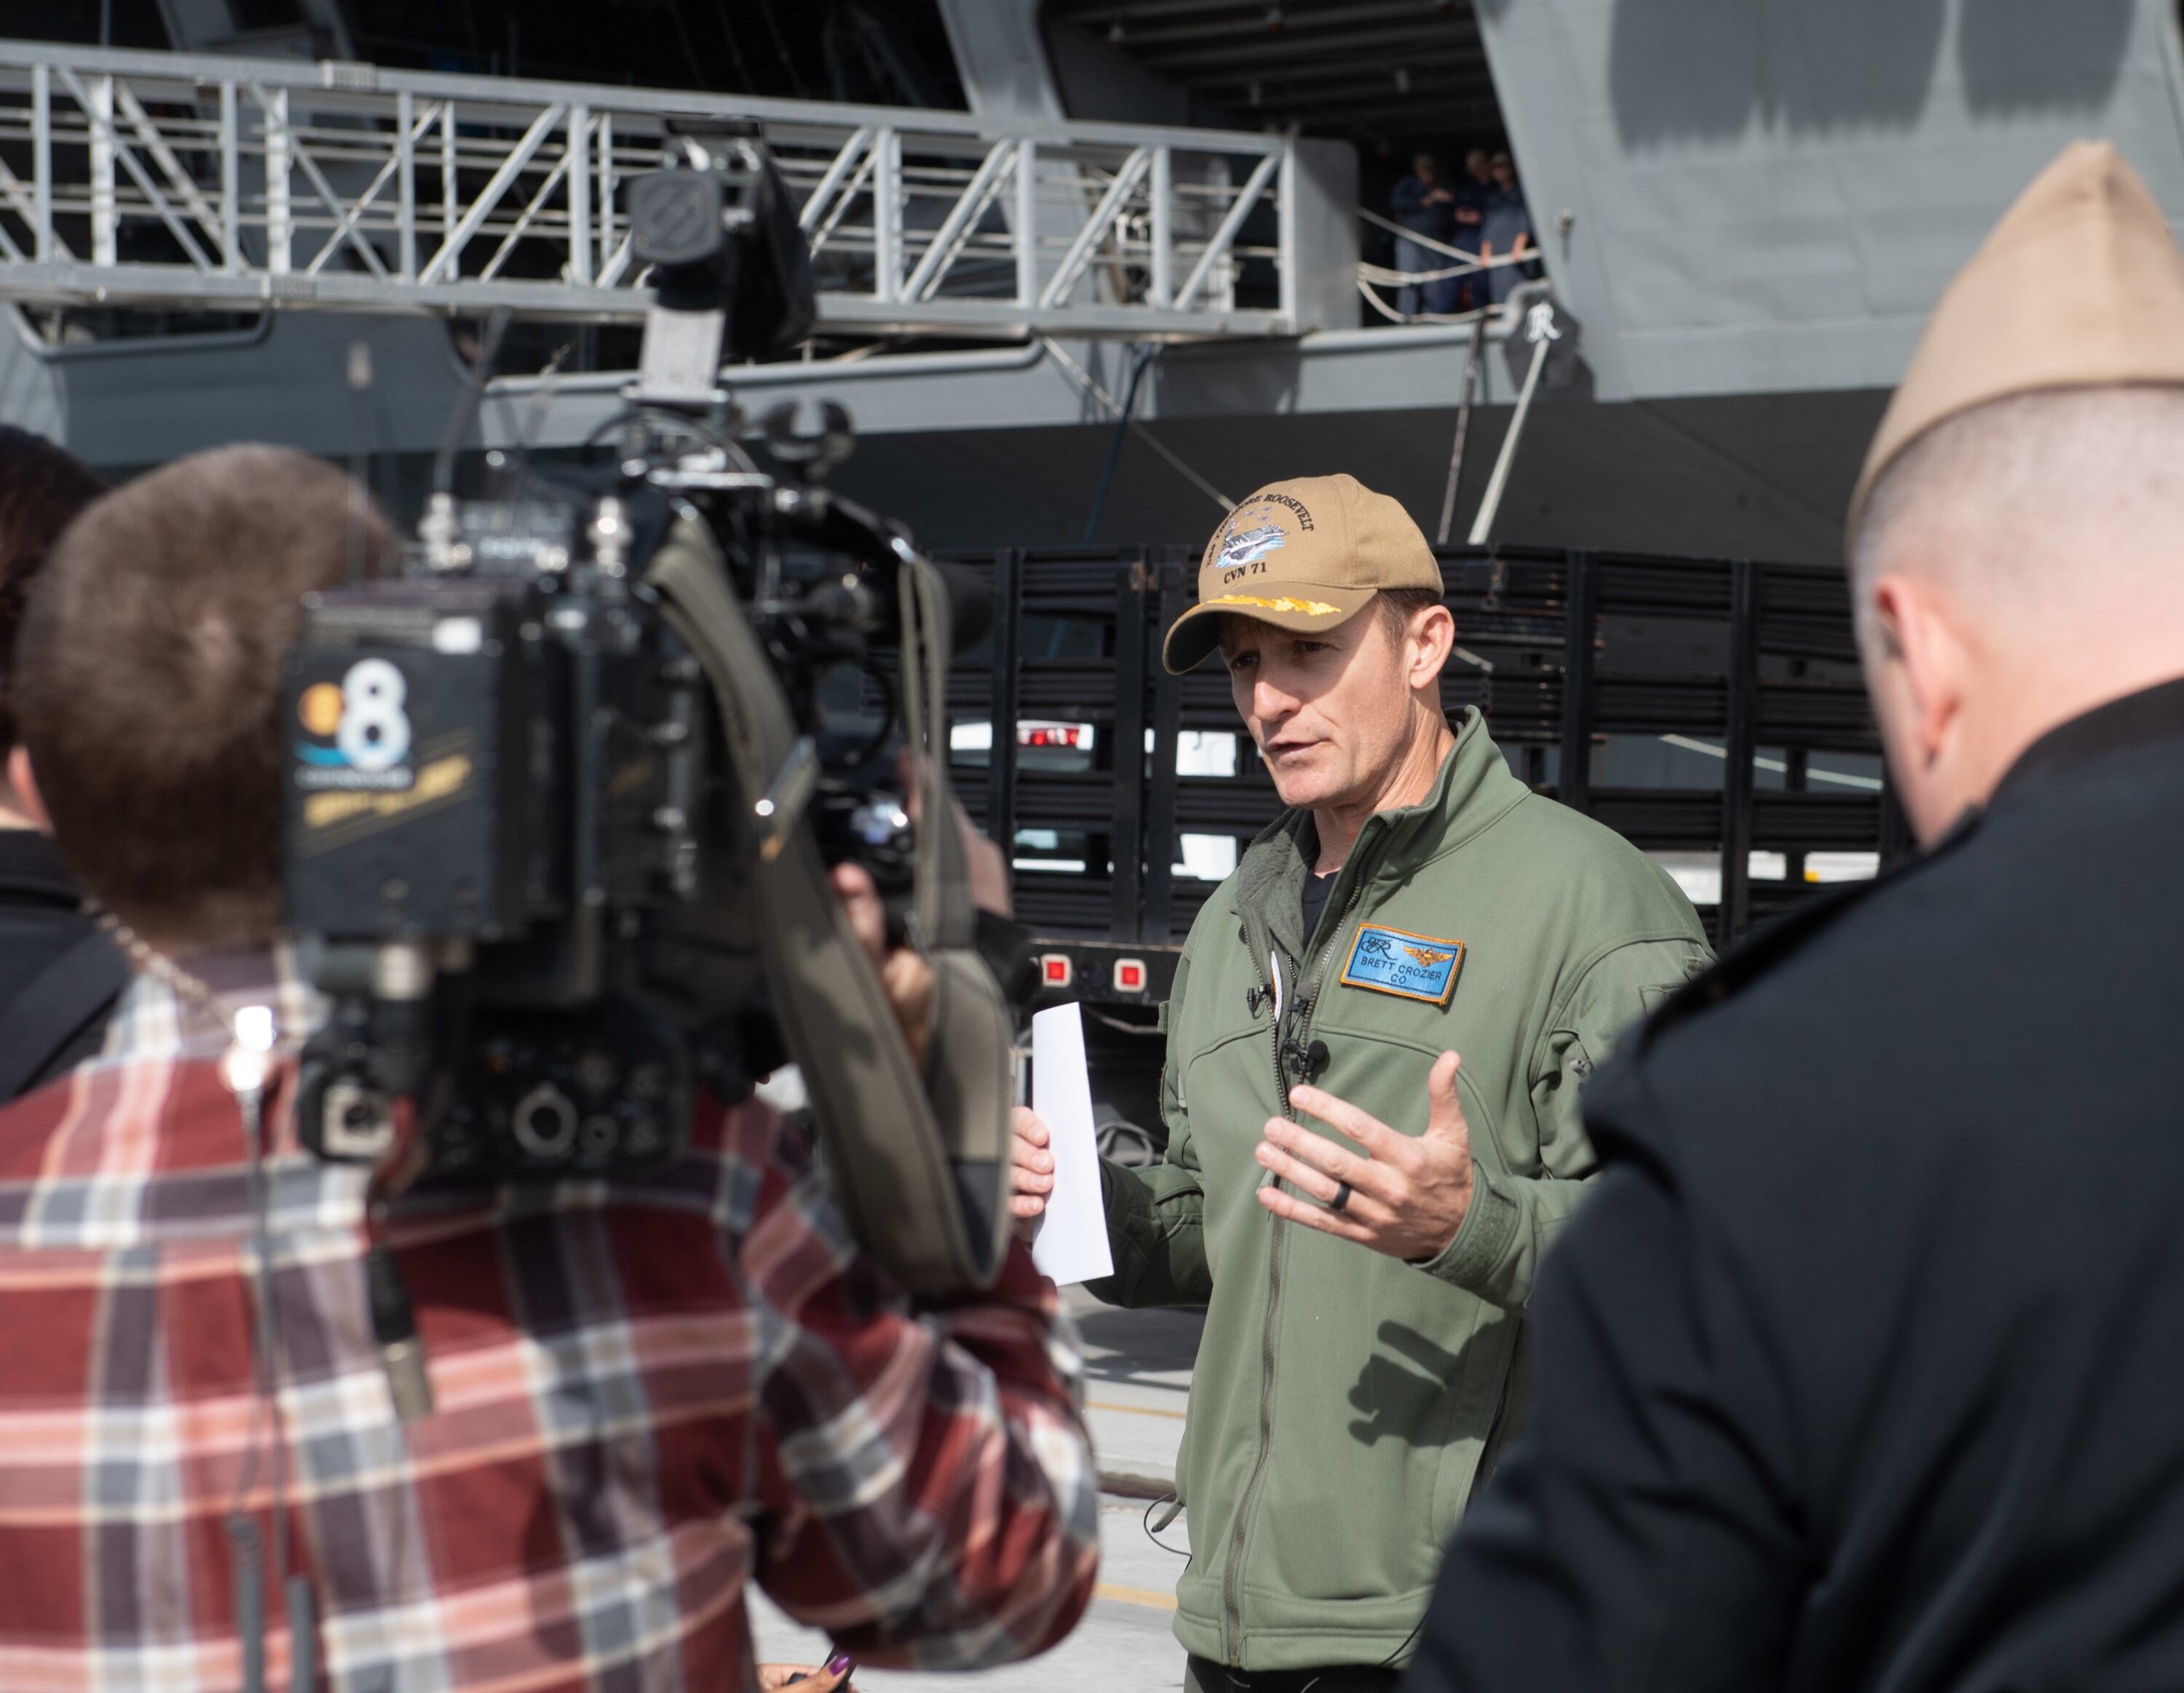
201	182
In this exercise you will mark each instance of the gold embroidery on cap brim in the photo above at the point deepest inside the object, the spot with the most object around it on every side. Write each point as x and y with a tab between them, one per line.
1311	608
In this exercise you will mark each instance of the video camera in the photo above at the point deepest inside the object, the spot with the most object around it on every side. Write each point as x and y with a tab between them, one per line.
562	795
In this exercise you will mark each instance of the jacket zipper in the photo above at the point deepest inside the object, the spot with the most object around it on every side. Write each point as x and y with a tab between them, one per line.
1233	1582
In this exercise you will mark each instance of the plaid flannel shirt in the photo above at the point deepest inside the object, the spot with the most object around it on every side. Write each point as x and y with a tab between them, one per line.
647	1394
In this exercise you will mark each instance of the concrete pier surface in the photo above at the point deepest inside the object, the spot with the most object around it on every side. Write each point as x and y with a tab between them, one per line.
1137	1382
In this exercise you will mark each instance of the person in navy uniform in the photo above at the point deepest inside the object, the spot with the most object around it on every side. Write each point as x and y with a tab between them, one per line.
1426	205
1863	1365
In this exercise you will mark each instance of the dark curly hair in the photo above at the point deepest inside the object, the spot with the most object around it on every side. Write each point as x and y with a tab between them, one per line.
42	489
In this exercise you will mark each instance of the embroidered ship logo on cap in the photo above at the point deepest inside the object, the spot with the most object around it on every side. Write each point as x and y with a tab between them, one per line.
1410	966
1251	545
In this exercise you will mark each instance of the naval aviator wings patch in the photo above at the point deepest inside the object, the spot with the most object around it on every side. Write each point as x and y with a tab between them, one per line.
1410	966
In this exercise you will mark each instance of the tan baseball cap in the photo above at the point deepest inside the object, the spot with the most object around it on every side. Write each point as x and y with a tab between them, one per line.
1307	553
2079	286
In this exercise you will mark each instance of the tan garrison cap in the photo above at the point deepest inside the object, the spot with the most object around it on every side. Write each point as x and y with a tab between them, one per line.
2079	286
1307	553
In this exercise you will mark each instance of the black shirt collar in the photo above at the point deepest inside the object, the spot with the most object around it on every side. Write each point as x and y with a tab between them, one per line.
31	869
2150	715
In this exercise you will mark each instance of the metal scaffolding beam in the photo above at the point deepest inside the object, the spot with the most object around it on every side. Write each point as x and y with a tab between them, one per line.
195	182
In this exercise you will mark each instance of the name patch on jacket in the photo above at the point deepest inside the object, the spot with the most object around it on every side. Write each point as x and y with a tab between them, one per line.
1412	966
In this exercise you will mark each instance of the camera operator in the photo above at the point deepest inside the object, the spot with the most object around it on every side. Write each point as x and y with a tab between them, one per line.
648	1392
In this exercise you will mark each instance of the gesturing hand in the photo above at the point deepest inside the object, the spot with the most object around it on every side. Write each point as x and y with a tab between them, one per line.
1406	1198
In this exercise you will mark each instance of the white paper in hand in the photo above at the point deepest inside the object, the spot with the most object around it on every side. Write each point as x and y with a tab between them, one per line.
1071	1242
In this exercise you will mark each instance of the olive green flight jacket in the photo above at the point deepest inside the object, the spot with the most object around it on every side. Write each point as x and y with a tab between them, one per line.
1343	1401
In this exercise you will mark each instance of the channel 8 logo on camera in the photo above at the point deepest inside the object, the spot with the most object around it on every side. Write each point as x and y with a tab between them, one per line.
358	731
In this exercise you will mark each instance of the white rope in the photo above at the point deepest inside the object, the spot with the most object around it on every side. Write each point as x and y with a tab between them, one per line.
1390	312
1382	273
1412	235
1371	276
1403	279
1084	381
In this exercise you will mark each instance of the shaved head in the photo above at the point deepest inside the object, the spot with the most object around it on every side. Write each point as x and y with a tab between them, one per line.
2067	505
2018	565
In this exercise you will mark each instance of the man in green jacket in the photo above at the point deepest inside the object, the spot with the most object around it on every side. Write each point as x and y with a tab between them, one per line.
1415	901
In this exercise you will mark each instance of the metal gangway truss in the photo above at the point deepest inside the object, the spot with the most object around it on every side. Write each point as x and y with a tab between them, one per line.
209	183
